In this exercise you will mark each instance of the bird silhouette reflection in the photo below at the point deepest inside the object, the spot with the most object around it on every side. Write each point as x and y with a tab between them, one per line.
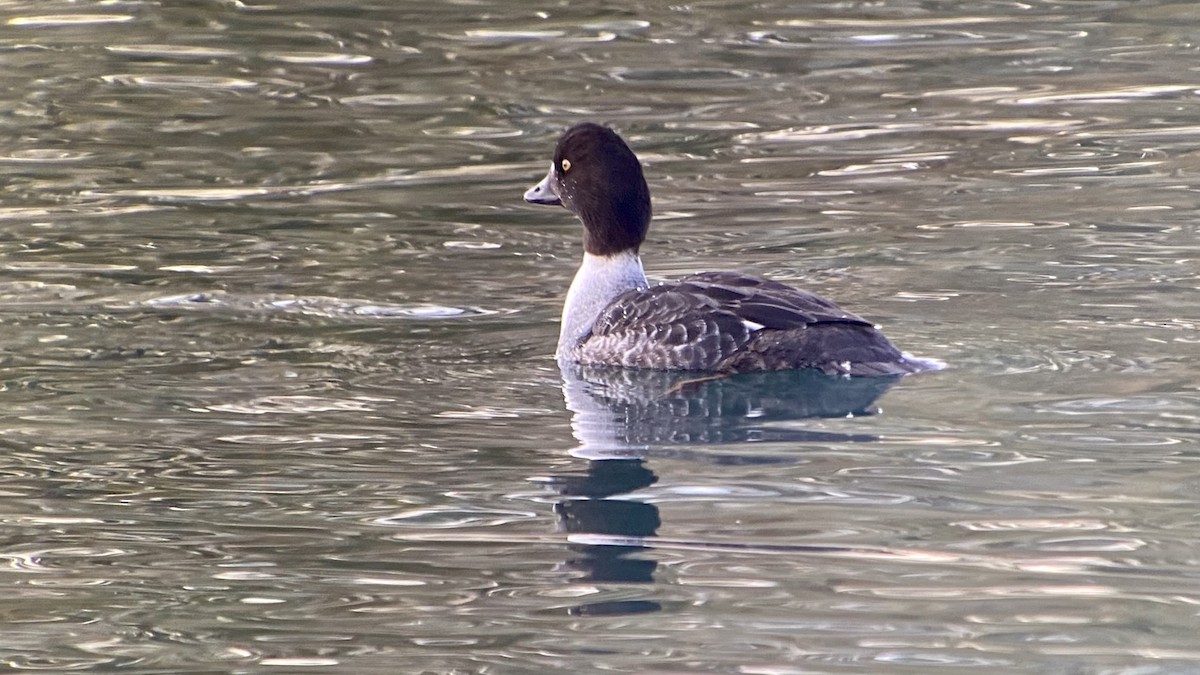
623	418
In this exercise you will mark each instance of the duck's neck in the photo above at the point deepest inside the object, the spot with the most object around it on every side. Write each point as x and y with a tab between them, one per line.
600	279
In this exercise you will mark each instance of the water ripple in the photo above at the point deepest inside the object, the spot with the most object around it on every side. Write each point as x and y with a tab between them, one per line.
308	306
319	58
44	156
163	81
56	20
172	52
453	518
295	405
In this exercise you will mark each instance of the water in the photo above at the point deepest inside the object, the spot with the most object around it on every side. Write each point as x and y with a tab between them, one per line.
276	332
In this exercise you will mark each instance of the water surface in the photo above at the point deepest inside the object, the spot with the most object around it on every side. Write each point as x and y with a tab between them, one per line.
276	338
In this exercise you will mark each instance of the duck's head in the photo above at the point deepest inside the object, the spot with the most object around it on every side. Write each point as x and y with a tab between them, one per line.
598	178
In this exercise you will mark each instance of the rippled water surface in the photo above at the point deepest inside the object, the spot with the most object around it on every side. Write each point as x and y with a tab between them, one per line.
276	381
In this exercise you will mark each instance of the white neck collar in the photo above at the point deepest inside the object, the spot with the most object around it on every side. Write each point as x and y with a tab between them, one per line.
599	280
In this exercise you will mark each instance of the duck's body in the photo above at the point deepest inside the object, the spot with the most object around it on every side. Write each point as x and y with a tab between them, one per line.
724	322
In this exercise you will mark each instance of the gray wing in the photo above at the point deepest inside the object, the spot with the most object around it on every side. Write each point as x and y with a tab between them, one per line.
770	303
712	321
669	327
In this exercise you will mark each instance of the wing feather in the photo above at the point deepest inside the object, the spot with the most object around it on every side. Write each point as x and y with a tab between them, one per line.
714	320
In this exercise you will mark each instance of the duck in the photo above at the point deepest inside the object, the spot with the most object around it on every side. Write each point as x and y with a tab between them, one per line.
719	323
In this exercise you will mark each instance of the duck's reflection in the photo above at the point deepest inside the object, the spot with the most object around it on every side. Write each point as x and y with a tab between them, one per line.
624	417
589	510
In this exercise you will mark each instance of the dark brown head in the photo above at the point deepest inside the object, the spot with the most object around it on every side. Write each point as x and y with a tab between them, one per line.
598	178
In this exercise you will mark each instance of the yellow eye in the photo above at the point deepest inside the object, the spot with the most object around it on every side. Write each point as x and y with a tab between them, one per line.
566	165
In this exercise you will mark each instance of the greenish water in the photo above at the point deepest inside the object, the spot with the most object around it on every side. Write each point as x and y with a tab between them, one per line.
277	391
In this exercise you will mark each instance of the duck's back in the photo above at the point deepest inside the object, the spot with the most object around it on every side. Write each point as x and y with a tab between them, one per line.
731	322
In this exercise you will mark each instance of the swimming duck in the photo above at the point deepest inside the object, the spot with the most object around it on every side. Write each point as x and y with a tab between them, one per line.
715	322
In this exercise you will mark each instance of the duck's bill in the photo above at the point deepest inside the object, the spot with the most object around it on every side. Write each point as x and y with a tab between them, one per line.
542	193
